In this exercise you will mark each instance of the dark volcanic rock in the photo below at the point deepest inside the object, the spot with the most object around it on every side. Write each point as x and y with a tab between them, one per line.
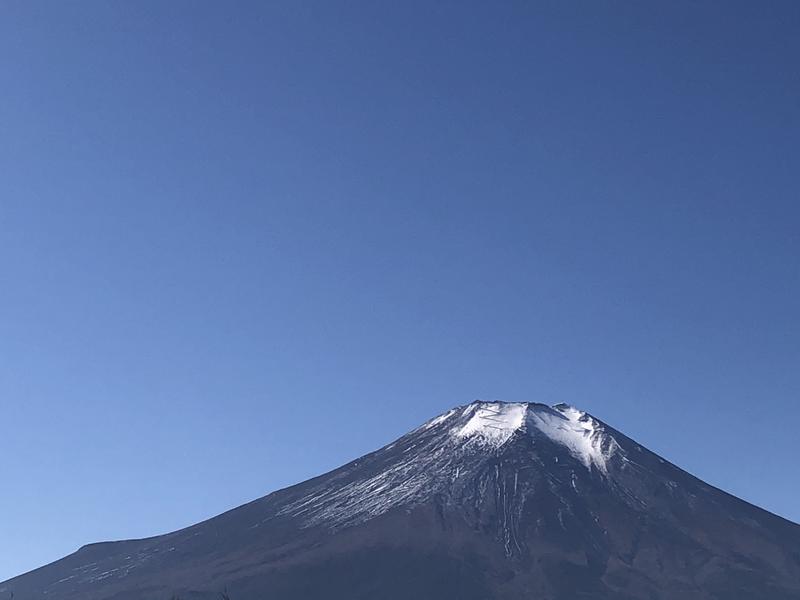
488	501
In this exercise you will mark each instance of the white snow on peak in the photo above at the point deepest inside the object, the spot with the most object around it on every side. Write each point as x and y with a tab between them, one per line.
579	432
492	423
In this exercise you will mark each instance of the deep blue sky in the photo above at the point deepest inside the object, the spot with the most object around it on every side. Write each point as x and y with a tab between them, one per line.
241	244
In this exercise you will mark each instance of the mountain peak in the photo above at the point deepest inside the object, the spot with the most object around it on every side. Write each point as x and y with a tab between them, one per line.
492	424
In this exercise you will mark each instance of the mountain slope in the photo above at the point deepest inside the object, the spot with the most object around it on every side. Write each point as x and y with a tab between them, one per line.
490	500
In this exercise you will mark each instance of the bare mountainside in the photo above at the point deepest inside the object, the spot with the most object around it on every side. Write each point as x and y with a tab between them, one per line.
488	501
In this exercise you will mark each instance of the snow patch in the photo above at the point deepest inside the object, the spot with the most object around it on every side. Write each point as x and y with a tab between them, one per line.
493	423
582	435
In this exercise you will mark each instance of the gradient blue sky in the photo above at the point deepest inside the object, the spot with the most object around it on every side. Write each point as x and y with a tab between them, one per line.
243	243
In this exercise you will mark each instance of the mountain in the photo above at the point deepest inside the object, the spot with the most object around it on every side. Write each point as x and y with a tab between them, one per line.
487	501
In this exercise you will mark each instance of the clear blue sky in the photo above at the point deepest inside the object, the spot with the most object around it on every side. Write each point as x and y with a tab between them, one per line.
241	244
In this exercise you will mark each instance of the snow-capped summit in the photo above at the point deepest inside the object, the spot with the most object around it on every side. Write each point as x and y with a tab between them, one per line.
434	457
494	423
487	500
